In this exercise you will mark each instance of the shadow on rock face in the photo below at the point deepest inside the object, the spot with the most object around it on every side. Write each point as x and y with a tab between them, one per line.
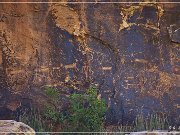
6	114
9	114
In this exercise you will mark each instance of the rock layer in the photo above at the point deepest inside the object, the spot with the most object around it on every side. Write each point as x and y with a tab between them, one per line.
130	51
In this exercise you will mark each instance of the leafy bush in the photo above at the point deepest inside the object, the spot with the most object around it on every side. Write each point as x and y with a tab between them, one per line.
85	114
52	93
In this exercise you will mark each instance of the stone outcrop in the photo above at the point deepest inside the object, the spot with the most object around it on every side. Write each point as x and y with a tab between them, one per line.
9	127
130	51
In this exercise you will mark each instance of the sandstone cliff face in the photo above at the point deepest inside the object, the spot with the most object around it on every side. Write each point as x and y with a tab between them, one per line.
130	51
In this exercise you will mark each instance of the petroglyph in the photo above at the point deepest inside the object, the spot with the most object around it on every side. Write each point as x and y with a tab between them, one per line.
106	68
70	66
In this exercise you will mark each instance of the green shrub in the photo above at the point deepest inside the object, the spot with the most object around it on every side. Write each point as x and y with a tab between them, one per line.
52	93
85	113
51	113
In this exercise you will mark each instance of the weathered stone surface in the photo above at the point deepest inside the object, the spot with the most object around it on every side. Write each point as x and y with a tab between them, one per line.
8	127
174	32
131	51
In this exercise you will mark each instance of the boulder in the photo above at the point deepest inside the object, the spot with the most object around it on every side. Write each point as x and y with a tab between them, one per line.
8	127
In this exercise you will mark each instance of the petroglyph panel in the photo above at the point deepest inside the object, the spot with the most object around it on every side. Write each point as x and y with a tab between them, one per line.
129	51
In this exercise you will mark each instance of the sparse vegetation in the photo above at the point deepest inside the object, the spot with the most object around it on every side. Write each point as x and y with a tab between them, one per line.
141	123
153	122
85	114
34	119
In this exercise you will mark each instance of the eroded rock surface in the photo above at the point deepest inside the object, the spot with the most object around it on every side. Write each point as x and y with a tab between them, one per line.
131	51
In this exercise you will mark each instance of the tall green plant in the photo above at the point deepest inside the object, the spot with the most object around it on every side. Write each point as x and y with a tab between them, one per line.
85	113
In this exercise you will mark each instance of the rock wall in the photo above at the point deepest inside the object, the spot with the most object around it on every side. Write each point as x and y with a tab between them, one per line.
130	51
